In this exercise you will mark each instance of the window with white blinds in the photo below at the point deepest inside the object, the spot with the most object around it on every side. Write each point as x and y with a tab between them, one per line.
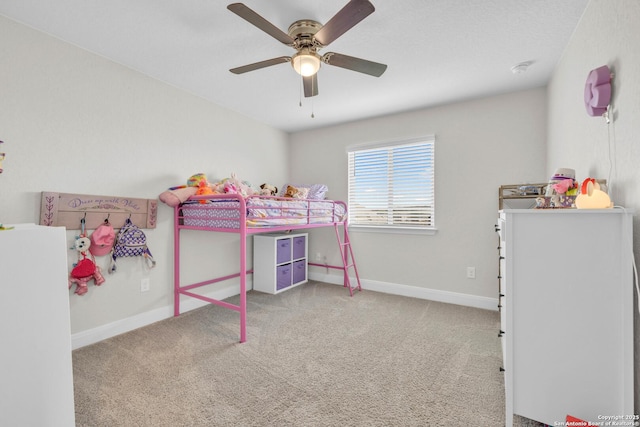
392	185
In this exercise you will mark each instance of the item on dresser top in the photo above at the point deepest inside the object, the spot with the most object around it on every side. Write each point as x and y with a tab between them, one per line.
130	242
563	182
592	197
557	201
561	191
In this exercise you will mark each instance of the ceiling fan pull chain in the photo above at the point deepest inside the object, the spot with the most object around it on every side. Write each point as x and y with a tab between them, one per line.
300	90
312	115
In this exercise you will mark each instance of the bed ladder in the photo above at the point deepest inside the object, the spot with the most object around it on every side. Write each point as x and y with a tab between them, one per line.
348	261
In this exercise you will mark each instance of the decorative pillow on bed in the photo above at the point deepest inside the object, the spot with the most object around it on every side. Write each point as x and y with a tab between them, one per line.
177	195
315	191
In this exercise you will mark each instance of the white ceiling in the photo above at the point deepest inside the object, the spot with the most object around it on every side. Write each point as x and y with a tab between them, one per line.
437	51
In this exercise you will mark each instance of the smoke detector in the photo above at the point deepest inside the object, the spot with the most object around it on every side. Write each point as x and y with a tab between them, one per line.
521	67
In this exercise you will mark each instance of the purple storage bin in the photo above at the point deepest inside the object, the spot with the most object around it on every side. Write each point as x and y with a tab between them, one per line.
283	276
300	271
299	244
283	251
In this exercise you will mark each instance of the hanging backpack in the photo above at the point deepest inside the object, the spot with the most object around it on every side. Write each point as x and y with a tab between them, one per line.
130	241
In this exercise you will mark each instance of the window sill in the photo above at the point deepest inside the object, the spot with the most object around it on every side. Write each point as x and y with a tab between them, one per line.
393	230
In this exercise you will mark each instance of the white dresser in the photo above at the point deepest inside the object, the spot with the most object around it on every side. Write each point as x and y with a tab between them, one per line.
36	377
566	297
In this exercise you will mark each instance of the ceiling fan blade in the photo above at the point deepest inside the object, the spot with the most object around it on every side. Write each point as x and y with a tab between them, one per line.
310	84
249	15
261	64
354	12
355	64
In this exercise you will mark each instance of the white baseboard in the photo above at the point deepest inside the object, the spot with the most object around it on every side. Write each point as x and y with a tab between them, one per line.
413	291
109	330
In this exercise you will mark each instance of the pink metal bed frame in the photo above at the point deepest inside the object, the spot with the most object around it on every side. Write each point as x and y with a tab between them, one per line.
239	214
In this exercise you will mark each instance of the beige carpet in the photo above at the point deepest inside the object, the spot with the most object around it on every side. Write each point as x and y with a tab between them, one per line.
314	357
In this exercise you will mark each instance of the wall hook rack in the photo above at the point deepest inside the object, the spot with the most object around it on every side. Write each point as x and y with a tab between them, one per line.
68	210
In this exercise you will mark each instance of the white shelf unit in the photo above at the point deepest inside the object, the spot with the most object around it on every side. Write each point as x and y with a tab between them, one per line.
36	386
280	261
567	313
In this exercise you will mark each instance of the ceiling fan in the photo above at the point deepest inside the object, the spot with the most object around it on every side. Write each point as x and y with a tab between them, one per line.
307	37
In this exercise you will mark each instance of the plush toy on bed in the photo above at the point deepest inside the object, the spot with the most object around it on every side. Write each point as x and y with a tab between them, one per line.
296	193
233	186
195	180
268	190
203	190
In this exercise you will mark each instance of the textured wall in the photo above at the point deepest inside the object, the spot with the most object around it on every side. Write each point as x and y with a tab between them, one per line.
74	122
607	35
480	145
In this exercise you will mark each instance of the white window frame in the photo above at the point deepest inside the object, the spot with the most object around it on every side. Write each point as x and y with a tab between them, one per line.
422	194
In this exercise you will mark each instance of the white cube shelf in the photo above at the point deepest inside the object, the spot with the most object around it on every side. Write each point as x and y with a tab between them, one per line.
279	261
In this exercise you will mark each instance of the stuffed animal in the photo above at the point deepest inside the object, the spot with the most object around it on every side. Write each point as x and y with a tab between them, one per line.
233	186
290	192
82	282
203	190
195	180
296	193
85	269
268	190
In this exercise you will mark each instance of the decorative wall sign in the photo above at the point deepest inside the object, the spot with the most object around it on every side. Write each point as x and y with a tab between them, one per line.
66	210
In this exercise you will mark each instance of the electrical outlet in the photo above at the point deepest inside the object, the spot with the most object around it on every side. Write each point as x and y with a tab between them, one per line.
471	272
145	284
319	256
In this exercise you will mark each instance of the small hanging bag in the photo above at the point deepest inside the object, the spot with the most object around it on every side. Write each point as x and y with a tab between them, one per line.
130	242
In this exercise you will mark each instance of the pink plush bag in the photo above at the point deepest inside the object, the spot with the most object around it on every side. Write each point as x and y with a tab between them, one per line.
84	268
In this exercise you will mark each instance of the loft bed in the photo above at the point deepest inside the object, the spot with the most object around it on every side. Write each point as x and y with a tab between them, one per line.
234	213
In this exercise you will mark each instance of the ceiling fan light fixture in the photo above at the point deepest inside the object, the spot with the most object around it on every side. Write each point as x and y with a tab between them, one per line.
306	63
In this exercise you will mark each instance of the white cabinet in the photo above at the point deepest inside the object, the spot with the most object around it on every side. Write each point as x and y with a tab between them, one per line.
36	386
279	261
567	313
